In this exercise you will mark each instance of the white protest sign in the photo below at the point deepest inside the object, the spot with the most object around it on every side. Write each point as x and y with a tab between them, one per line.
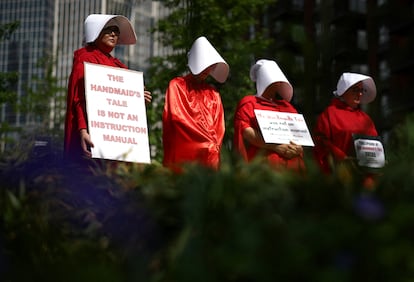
281	128
369	152
116	113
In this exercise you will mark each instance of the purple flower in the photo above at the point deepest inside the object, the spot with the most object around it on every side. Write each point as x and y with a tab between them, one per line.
368	207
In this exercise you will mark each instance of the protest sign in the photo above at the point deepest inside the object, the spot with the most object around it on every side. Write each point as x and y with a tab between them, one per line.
116	111
369	151
281	128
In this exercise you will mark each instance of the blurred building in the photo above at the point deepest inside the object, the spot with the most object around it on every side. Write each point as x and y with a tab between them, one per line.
396	45
27	45
316	40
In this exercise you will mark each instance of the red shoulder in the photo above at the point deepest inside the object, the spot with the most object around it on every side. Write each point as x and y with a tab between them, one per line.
247	100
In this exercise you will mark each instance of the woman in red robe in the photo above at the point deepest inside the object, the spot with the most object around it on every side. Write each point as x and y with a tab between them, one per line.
193	117
102	34
337	125
271	85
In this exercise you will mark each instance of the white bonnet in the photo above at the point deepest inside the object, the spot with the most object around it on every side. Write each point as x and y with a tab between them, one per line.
348	79
95	23
265	72
202	55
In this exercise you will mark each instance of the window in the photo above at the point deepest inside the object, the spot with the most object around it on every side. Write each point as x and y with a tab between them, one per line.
300	63
298	33
358	6
362	39
383	35
384	70
297	4
382	2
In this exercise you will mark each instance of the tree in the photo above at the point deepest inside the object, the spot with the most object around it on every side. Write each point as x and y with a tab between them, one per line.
43	103
8	81
43	106
235	30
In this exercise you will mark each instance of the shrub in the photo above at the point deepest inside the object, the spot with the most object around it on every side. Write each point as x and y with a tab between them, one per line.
242	223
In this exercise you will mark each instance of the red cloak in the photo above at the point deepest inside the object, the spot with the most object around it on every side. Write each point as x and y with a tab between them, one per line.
334	129
193	123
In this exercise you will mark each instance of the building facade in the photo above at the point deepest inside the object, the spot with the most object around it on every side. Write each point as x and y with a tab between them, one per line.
32	41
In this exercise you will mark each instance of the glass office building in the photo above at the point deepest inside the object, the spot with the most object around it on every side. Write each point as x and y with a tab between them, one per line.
32	41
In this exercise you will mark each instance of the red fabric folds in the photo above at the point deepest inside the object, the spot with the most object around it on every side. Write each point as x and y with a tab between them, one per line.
193	123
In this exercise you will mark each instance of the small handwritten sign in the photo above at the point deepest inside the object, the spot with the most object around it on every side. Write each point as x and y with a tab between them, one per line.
281	128
116	113
369	151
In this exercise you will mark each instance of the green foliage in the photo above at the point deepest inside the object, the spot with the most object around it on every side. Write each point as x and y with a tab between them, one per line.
8	82
42	102
44	97
8	79
134	222
7	29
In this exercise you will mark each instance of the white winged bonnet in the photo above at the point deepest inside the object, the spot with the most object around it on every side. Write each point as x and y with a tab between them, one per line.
95	23
266	72
202	55
348	79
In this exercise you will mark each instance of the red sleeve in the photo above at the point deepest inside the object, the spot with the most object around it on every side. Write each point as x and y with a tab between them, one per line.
242	120
75	112
78	95
323	144
166	126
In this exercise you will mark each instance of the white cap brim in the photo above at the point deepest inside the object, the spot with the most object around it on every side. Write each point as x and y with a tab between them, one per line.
266	72
95	23
348	79
203	55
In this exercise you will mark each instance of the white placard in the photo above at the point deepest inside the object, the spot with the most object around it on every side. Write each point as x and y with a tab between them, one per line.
281	128
369	153
117	117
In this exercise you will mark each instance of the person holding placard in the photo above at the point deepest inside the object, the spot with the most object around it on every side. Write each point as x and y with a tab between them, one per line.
193	116
274	93
101	34
343	120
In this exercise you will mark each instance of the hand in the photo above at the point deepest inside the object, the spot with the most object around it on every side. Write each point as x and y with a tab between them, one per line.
289	151
147	97
86	142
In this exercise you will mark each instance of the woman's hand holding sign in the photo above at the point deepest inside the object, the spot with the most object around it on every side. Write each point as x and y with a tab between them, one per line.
289	151
86	143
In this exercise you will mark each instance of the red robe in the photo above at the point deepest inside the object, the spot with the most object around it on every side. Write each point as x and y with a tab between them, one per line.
193	123
245	117
334	129
76	116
